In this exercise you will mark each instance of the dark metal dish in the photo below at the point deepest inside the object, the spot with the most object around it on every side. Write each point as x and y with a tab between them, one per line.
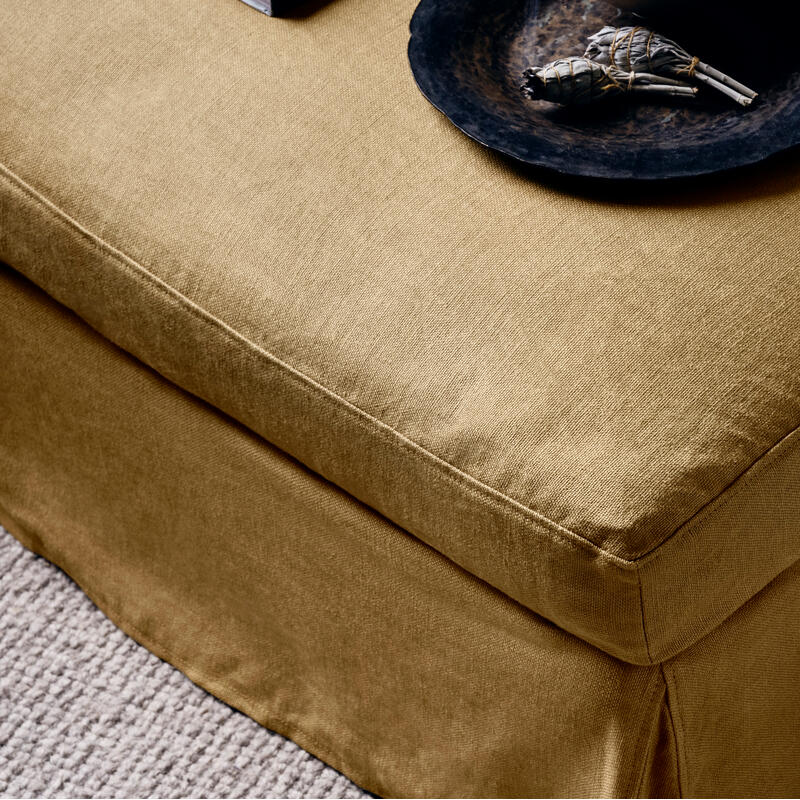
467	57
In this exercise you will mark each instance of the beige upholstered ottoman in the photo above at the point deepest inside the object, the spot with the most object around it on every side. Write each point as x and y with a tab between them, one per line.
469	482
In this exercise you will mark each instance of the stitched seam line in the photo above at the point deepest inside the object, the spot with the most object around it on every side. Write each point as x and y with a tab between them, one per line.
449	471
674	732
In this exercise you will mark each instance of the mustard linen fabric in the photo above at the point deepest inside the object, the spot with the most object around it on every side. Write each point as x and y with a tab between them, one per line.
590	403
281	594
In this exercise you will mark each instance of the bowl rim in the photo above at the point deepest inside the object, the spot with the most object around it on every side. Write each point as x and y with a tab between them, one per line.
429	66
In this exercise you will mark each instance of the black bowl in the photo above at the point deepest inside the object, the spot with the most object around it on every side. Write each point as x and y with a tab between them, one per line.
468	56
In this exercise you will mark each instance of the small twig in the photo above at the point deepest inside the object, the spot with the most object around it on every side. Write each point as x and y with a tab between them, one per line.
726	90
725	80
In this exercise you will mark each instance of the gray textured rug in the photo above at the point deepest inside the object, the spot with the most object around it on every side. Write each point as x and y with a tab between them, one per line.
87	712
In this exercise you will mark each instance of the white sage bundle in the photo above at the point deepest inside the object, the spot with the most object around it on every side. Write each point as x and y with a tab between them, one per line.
634	48
580	81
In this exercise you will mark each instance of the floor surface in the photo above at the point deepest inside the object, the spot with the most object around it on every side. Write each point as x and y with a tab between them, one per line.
87	712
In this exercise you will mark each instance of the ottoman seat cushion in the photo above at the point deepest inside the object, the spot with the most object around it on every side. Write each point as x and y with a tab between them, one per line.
590	405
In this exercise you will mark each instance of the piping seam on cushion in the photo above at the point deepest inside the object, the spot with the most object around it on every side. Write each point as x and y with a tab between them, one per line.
448	470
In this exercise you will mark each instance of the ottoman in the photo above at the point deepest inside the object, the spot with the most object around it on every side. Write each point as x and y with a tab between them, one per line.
470	481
